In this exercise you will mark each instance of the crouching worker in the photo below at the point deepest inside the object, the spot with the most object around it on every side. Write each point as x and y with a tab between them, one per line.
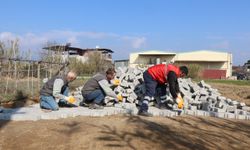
97	87
57	89
156	77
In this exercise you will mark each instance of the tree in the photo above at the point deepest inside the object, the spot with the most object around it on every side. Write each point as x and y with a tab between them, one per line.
95	63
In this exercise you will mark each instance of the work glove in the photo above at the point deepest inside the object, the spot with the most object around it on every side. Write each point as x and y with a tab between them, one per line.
71	99
116	82
119	97
179	101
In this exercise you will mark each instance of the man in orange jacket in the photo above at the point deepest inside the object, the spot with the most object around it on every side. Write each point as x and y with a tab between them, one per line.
157	76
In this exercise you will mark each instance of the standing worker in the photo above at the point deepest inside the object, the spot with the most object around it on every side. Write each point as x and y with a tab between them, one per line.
157	76
57	89
97	87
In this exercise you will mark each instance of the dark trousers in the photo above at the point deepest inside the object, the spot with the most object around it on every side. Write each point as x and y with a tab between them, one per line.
152	86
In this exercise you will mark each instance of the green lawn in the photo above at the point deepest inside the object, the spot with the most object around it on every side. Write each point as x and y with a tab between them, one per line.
231	82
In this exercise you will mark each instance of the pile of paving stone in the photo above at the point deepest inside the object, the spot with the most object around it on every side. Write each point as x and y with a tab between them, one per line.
198	97
202	96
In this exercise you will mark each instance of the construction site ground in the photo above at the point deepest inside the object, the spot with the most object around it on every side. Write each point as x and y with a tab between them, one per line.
132	132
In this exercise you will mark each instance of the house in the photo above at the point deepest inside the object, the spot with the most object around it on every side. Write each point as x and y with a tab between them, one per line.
215	64
67	51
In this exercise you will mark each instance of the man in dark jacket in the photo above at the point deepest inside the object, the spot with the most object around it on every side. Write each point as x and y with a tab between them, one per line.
158	76
56	89
97	87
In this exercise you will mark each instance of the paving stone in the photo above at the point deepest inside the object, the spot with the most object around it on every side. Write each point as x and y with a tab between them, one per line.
220	115
189	112
193	108
203	98
242	104
206	106
235	103
219	110
230	116
246	108
241	117
231	108
242	112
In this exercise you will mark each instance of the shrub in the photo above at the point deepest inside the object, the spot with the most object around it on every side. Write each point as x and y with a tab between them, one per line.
94	64
195	71
19	96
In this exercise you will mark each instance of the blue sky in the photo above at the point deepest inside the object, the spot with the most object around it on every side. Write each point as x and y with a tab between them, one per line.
130	25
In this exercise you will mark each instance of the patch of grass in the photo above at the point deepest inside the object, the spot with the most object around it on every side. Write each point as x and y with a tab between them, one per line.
231	82
18	96
7	97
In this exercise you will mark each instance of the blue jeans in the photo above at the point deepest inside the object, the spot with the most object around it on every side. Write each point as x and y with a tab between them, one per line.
96	96
49	102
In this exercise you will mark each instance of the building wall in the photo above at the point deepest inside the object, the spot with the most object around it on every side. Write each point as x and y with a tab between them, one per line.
121	63
214	74
136	58
83	57
202	56
209	60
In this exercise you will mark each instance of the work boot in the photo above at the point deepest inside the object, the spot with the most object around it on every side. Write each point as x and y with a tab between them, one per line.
83	104
65	104
144	113
95	106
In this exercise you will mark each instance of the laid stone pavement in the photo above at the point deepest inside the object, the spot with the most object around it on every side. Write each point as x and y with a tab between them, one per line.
34	112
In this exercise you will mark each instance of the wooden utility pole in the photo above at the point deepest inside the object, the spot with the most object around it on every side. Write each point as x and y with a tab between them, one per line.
14	49
38	74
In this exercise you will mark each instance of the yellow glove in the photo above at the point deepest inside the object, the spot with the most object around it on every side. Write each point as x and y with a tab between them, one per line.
116	82
119	97
71	99
180	102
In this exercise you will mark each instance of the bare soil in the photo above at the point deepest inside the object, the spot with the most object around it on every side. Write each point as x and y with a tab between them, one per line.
239	93
131	132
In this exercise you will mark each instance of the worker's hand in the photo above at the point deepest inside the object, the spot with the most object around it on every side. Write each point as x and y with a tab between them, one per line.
71	99
180	102
116	82
119	97
179	95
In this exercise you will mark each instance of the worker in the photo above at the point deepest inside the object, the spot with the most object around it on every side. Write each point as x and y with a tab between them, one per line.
99	86
156	77
56	89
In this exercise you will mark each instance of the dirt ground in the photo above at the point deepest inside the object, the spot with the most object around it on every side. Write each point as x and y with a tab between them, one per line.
131	132
239	93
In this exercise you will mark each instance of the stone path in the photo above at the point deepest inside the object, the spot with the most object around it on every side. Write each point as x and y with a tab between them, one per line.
35	113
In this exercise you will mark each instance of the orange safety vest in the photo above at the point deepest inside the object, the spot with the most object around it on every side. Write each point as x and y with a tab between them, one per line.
160	72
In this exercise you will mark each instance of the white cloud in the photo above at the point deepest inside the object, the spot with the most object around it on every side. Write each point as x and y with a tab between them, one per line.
7	35
221	45
38	40
136	42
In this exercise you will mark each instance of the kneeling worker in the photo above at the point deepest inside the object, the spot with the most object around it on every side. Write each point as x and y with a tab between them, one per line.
97	87
57	89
